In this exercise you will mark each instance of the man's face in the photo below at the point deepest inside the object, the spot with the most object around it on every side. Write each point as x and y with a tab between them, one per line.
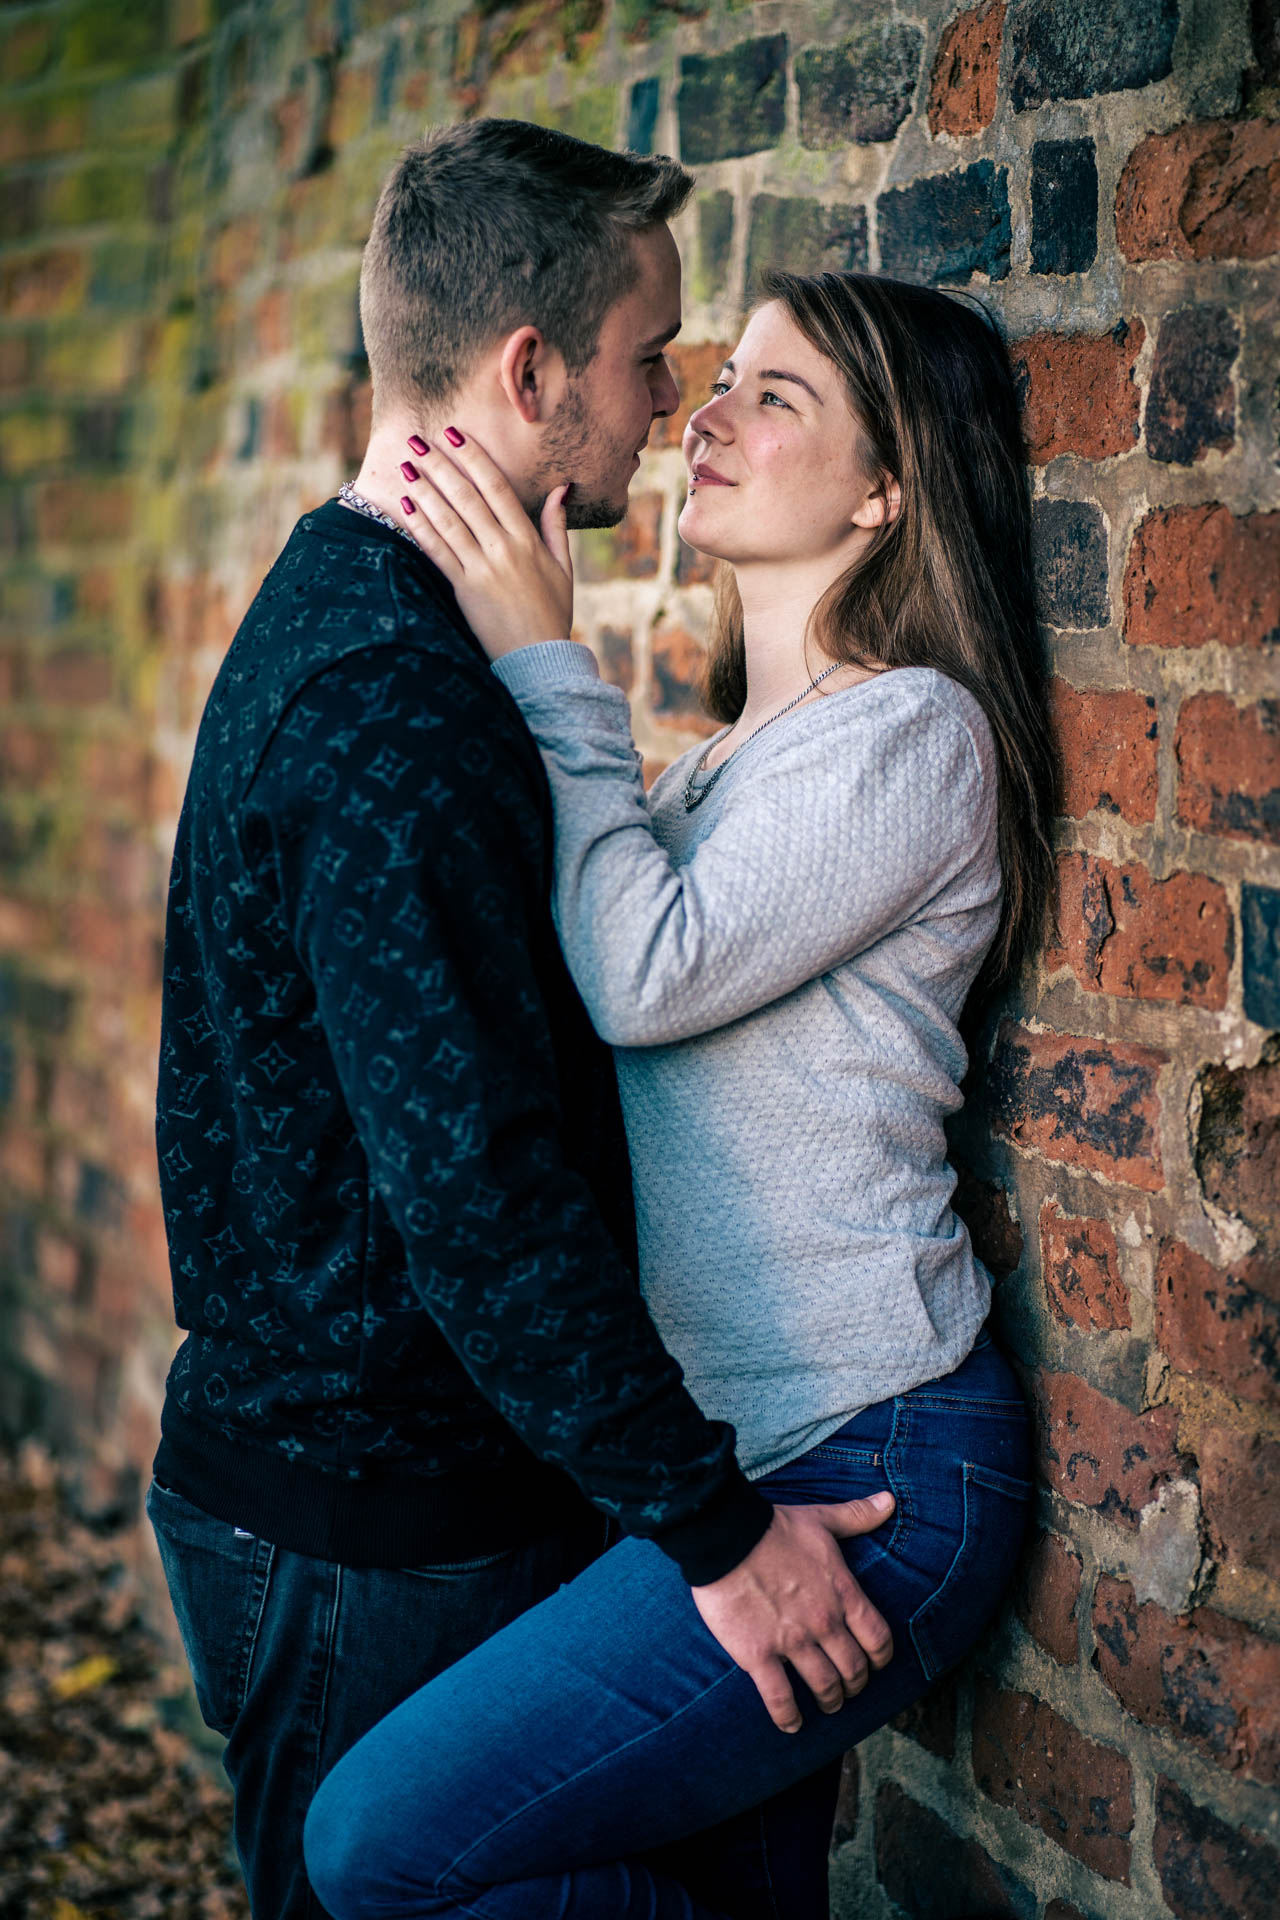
595	435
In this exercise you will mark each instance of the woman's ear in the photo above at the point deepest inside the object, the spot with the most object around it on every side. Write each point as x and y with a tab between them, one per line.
880	508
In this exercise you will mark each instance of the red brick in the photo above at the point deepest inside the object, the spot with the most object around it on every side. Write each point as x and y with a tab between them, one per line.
57	1264
627	551
72	678
38	128
1201	575
694	367
1237	1141
1107	742
271	322
1209	1679
118	771
617	662
1124	933
37	285
931	1720
348	421
1048	1595
911	1842
1209	190
27	50
77	510
1082	1270
1079	394
1239	1478
29	758
1089	1103
1208	1870
1097	1453
17	362
235	252
1080	1794
962	86
1229	767
995	1232
1221	1324
677	681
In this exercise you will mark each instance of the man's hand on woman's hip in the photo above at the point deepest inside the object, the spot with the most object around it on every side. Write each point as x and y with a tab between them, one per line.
793	1599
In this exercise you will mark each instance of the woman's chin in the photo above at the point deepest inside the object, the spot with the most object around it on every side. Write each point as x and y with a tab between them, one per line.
698	537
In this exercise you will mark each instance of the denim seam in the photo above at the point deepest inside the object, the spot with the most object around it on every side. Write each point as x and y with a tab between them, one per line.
441	1888
331	1640
770	1889
262	1573
895	1447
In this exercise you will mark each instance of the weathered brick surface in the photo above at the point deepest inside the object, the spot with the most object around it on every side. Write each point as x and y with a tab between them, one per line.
694	367
911	1840
1064	206
1048	1596
1221	1324
948	226
1078	392
1081	1264
1260	938
1092	1105
1229	767
802	236
1107	743
1191	405
1237	1142
1208	1870
1124	933
1205	191
1098	1453
1209	1679
994	1229
1072	49
1239	1476
1203	574
1069	543
962	86
677	680
1080	1794
931	1721
732	103
861	90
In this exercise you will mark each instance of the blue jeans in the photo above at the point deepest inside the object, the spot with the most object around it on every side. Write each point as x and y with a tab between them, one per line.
294	1658
558	1772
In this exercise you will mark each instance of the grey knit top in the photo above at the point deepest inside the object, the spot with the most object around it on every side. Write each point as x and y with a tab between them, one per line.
780	972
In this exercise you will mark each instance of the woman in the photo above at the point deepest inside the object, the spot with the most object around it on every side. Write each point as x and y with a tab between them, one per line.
780	944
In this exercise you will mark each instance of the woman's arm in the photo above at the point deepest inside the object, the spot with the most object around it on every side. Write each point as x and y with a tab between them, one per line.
849	821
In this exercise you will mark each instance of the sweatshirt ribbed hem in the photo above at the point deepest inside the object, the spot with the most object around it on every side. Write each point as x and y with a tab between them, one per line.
545	664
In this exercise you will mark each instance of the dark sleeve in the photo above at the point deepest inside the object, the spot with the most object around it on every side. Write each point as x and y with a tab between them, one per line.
405	843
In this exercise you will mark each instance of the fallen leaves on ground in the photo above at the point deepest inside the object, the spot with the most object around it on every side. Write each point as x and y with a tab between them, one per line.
106	1811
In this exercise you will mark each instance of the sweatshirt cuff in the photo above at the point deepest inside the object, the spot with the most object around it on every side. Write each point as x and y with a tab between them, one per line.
721	1534
546	663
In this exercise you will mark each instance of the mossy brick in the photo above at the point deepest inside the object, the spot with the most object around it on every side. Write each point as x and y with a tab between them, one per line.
90	359
947	226
38	286
802	236
352	108
733	103
1069	545
117	37
40	127
125	274
642	114
591	115
1191	403
27	49
32	441
715	244
641	20
1074	49
861	90
1064	206
142	113
1260	926
22	206
95	192
189	20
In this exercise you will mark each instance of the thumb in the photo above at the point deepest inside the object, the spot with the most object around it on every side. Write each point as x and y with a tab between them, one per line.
554	524
849	1517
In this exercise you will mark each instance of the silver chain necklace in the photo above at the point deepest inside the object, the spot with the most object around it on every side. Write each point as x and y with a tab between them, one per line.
695	797
358	504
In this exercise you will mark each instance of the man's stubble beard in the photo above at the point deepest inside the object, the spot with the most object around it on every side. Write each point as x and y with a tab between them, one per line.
565	445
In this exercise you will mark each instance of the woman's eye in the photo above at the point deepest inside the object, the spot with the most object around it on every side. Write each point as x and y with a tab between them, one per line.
769	394
718	387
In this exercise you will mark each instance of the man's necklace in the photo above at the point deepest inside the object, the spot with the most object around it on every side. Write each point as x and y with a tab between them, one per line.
358	504
694	797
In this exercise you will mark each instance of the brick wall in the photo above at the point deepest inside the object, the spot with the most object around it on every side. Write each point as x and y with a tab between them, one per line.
186	187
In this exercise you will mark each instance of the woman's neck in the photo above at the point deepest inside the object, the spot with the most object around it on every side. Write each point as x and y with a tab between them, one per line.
777	607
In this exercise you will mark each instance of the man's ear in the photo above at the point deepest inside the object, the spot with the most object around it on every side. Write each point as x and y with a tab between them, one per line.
530	374
881	508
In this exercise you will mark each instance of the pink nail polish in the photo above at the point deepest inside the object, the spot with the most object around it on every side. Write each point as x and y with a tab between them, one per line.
454	438
418	444
409	471
407	503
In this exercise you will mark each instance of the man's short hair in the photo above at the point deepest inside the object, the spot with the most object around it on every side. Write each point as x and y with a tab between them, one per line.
493	225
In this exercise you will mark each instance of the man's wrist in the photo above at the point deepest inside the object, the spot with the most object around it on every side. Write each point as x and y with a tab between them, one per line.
720	1535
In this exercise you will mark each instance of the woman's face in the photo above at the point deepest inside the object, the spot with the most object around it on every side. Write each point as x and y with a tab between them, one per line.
774	472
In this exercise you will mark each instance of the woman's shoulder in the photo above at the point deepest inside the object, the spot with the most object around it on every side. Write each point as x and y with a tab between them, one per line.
910	697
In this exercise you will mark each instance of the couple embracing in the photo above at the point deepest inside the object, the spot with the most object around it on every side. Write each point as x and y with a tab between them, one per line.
586	1429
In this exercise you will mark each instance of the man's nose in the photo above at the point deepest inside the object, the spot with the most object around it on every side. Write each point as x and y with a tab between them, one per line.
666	394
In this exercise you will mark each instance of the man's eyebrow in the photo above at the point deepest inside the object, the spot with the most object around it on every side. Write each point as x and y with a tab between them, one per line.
776	373
660	339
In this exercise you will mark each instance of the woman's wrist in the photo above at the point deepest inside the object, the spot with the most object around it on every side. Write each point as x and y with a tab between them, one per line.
544	663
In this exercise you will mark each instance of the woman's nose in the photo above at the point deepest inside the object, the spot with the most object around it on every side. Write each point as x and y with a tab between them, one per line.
711	419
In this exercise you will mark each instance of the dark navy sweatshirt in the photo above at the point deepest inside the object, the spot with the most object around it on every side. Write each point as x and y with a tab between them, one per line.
391	1157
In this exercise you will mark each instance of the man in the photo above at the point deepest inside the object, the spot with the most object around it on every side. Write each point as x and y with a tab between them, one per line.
395	1185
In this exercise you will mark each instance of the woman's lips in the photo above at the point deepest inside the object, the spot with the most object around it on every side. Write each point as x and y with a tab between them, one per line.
705	477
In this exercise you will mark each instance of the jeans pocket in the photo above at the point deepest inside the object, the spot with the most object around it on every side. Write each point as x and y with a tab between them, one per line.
946	1625
217	1577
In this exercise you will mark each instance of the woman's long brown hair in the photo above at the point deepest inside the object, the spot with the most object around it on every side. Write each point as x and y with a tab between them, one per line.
949	582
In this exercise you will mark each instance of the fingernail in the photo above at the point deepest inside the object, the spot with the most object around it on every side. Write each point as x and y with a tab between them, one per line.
409	471
454	438
407	503
882	1502
419	445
